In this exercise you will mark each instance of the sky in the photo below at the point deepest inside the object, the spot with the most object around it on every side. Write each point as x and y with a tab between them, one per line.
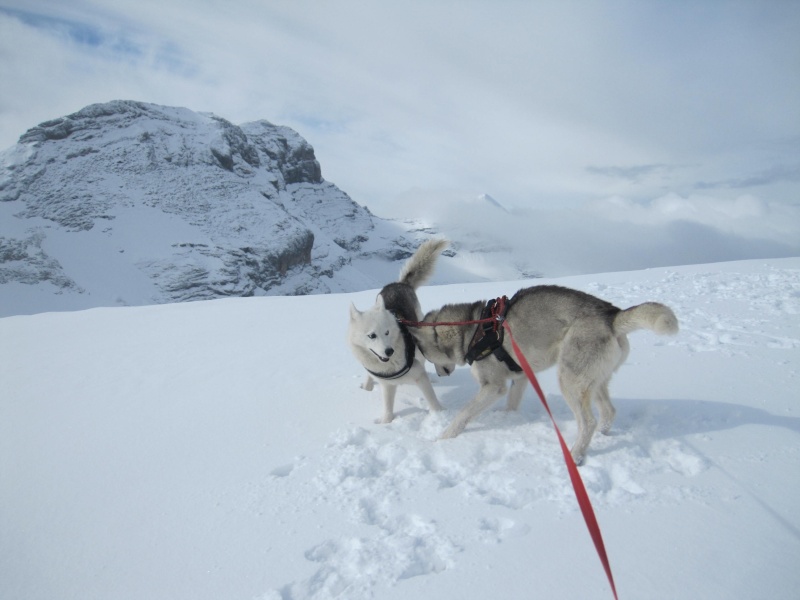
660	107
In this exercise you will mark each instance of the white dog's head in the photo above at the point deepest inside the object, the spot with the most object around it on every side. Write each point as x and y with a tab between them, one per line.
375	330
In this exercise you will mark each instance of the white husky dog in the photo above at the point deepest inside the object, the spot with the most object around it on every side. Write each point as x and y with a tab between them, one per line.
382	345
586	337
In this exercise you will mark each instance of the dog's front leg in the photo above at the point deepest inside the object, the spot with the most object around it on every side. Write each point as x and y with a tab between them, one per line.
389	391
424	384
368	384
487	395
515	393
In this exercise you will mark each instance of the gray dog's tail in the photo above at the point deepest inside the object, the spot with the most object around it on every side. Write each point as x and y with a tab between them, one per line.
650	315
419	267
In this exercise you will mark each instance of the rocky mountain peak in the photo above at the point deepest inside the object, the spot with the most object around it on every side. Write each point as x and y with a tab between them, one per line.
187	205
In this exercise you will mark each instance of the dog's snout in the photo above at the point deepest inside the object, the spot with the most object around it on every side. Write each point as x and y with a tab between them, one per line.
389	351
442	370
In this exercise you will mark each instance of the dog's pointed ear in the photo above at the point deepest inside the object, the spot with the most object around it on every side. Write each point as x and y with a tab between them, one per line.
379	302
354	312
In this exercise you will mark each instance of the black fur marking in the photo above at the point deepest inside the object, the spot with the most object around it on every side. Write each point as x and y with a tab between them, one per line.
399	300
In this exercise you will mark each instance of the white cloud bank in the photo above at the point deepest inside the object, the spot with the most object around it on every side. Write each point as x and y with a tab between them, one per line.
618	232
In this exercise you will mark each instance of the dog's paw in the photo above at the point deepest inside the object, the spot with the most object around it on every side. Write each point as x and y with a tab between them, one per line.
579	458
435	407
384	420
455	428
451	432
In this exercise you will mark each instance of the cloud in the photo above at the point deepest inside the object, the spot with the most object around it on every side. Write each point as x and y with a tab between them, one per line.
542	105
746	216
614	233
632	173
776	174
80	33
102	42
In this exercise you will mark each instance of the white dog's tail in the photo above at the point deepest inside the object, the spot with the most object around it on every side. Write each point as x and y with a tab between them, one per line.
650	315
419	267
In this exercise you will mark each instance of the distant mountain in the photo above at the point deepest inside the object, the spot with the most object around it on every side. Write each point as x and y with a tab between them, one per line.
491	202
134	203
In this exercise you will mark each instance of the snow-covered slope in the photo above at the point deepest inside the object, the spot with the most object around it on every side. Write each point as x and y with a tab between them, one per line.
128	203
224	450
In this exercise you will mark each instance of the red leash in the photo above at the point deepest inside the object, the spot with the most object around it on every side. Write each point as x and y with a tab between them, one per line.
497	310
574	475
446	323
577	483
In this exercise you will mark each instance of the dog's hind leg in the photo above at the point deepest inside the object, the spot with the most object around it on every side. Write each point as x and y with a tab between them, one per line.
389	392
607	410
579	399
618	355
487	395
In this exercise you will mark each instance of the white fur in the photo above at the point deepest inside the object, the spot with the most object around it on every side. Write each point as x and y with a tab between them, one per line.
376	340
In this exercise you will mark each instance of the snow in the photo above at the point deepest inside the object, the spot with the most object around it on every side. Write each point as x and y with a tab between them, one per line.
223	449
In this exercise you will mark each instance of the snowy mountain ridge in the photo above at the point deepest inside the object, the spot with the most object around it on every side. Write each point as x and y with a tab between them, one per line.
134	203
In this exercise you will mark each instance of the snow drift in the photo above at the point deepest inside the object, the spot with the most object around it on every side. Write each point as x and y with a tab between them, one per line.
224	450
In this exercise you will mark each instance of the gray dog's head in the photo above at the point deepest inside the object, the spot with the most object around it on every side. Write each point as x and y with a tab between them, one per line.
442	344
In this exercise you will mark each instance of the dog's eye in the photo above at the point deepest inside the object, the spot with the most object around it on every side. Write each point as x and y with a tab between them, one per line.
387	332
371	336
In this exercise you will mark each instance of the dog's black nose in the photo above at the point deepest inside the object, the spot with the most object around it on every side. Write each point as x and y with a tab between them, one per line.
389	351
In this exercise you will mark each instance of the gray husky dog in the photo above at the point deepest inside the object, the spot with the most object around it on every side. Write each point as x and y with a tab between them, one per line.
586	337
384	346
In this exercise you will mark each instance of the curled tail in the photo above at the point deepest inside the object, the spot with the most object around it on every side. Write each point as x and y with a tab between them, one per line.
419	267
650	315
